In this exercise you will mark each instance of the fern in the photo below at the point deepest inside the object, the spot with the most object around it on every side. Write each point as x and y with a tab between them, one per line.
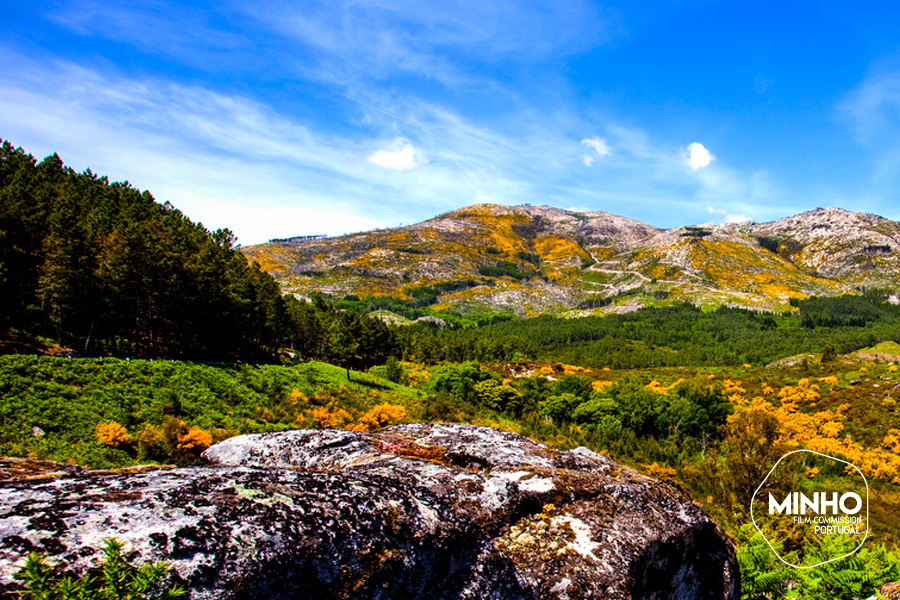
117	580
764	577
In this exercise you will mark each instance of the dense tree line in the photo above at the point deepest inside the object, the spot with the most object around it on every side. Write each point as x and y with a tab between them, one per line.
105	269
675	335
850	311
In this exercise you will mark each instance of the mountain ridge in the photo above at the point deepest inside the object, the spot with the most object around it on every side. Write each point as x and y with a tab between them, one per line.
533	259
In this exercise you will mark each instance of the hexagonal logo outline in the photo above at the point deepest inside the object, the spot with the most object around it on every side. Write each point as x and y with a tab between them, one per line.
766	478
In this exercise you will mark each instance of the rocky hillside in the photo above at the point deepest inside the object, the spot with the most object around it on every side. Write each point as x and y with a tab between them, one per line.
425	511
530	259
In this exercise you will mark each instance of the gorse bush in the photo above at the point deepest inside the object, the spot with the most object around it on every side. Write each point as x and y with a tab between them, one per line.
114	579
380	416
194	441
112	434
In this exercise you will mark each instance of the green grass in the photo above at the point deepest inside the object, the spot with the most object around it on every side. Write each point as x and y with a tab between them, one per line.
889	347
596	277
67	399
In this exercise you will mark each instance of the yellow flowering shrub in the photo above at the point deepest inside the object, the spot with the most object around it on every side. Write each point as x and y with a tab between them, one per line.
112	434
659	472
330	417
656	386
600	385
380	416
195	441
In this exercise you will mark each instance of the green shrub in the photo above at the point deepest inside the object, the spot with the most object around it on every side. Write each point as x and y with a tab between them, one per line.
558	408
458	380
394	371
764	577
490	393
115	579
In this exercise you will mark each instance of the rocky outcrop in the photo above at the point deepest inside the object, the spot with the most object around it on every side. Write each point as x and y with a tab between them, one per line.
854	248
560	257
415	511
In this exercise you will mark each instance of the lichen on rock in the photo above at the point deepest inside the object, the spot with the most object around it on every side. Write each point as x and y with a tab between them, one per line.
414	511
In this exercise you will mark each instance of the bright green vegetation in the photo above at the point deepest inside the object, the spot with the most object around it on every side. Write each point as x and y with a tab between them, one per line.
764	576
678	335
888	348
159	402
677	392
115	579
676	423
596	277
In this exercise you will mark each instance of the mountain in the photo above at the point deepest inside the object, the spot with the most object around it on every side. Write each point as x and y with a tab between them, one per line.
532	259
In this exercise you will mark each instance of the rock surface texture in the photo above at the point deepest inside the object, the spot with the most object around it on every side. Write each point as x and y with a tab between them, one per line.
415	511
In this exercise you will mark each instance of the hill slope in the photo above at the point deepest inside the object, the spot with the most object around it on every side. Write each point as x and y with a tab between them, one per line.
106	270
530	259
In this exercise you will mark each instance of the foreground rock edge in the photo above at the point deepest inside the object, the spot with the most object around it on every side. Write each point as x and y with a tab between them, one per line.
414	511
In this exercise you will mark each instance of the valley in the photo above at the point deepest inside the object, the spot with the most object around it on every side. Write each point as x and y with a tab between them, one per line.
685	362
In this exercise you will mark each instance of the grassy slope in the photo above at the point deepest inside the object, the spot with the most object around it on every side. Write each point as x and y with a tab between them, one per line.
67	399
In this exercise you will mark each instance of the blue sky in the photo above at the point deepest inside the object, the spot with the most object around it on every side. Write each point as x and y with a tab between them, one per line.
277	118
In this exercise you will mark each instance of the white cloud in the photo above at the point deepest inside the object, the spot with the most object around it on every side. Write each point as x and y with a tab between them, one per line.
238	162
730	217
400	155
598	144
697	156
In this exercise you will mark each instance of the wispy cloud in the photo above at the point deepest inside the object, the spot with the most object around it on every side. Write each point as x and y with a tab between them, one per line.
600	147
372	150
381	111
194	36
872	111
217	158
381	35
222	158
874	107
